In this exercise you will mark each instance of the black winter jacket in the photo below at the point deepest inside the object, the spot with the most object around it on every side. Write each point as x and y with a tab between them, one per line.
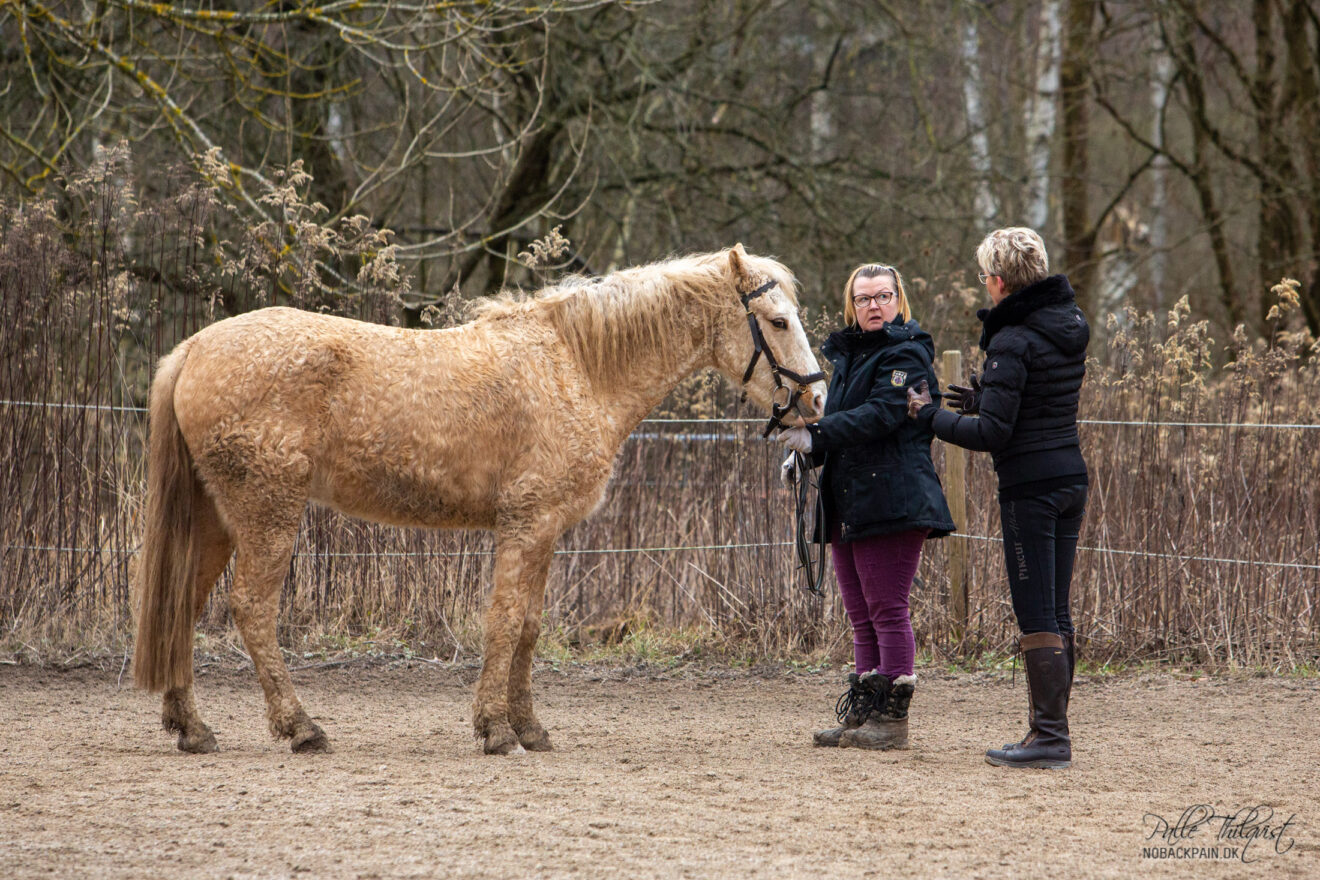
878	478
1035	358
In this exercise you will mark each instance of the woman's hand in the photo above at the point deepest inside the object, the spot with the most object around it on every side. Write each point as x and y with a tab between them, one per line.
798	439
918	397
969	399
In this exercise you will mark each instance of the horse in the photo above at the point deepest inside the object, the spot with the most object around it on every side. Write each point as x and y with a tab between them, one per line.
509	423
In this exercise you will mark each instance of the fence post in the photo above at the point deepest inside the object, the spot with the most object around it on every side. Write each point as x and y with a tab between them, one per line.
955	476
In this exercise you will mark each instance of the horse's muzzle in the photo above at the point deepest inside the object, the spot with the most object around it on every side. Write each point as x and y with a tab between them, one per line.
811	405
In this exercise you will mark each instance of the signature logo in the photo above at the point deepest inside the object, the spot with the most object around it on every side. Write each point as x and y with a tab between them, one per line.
1202	832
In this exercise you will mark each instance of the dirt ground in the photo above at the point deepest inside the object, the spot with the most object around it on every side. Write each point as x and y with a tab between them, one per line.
693	773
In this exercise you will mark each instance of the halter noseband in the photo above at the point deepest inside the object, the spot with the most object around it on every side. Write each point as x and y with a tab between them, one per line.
760	347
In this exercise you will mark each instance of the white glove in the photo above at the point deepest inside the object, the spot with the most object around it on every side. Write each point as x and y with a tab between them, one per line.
788	471
797	439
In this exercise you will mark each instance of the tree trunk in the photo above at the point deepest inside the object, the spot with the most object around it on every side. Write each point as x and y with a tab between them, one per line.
1277	230
1074	86
986	209
1041	116
1303	79
1161	75
1200	175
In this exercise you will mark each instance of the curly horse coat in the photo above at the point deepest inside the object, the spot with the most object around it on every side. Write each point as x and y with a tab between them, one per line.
510	423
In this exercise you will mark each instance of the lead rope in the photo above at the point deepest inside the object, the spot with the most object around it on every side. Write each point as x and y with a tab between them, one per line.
809	516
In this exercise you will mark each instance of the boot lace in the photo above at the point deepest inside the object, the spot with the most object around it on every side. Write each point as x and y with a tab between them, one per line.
856	698
861	699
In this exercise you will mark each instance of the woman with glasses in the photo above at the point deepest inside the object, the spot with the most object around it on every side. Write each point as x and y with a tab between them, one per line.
882	497
1023	410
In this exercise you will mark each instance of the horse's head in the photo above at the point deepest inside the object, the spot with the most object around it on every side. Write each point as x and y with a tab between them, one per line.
761	343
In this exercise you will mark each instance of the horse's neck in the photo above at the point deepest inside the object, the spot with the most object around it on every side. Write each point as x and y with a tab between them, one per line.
651	375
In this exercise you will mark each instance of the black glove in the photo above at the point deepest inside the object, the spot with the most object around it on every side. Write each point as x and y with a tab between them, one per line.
967	400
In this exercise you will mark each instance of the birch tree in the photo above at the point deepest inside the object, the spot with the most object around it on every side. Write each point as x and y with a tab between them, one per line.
987	211
1160	76
1041	116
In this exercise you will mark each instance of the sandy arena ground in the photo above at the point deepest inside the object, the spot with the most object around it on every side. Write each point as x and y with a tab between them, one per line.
682	774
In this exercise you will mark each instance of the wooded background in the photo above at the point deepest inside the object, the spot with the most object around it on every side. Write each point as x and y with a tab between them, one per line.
167	165
1164	147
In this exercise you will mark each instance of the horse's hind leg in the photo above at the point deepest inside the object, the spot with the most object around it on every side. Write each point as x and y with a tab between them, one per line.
520	568
265	545
214	547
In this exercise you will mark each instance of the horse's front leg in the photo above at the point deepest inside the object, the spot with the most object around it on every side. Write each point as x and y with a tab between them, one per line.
530	732
521	564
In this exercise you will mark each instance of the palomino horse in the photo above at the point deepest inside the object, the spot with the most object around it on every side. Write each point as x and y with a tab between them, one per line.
510	423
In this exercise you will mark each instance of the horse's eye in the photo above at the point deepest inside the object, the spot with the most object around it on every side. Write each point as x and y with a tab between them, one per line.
780	324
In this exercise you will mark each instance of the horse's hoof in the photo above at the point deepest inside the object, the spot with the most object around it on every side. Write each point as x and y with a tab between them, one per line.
502	742
202	743
310	739
535	740
504	748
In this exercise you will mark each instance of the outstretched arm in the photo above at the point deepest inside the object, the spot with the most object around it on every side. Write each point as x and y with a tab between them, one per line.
1001	393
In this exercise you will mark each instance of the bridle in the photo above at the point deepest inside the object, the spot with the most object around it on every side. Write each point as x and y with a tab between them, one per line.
809	506
778	371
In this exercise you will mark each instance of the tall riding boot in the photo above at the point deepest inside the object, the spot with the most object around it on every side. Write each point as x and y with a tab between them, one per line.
1070	648
887	726
851	710
1047	743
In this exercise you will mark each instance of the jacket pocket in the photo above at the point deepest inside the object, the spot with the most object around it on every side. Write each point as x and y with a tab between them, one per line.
876	495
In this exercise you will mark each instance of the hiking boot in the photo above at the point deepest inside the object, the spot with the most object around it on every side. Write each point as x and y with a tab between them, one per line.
887	726
1047	743
851	710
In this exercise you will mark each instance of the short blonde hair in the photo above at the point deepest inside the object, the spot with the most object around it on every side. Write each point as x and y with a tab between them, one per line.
1016	254
873	270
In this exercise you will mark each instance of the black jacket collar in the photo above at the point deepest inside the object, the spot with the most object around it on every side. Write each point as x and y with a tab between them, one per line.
1017	307
853	340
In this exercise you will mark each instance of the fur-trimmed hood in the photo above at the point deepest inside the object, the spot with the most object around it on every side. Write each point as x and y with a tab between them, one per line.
1048	307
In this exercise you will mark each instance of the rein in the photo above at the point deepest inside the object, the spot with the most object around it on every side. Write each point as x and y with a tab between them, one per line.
777	371
808	516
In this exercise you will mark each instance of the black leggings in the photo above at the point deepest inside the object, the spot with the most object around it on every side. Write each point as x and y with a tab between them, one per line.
1040	541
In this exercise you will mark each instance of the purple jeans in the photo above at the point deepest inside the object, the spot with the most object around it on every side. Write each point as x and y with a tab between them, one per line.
875	577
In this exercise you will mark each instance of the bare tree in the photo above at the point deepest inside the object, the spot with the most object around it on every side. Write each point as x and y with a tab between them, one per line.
1041	116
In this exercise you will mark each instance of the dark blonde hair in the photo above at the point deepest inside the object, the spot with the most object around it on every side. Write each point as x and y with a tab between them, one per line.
1016	254
874	270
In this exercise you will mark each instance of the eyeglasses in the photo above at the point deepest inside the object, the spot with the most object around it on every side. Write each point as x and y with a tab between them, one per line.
983	278
880	299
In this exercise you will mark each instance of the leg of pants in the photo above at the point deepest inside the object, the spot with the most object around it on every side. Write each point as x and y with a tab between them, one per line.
875	580
866	652
1066	535
1040	543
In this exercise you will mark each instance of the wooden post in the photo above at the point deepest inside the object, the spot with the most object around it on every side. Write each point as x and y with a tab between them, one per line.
955	489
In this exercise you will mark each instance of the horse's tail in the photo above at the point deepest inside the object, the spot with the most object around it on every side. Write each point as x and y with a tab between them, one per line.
167	566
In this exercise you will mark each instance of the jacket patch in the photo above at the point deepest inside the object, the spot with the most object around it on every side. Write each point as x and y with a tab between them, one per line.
898	378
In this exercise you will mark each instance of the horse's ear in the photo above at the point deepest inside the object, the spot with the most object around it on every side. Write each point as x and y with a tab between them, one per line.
737	264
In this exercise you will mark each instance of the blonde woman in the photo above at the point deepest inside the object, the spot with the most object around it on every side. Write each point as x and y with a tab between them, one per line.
1023	410
882	497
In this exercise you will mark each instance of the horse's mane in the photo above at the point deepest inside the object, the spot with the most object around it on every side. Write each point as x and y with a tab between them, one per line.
605	321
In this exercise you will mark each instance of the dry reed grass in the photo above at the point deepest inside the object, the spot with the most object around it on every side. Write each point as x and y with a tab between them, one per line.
95	287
